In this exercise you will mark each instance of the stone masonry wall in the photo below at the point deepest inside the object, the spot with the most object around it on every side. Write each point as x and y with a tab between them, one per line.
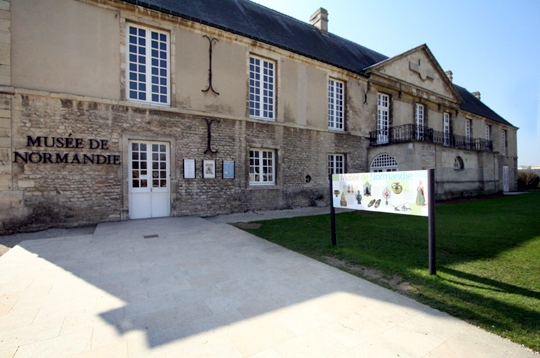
68	194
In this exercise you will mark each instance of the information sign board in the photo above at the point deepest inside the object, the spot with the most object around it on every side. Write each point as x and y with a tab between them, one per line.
388	192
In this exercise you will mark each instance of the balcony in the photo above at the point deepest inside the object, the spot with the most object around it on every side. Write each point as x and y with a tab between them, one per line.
412	133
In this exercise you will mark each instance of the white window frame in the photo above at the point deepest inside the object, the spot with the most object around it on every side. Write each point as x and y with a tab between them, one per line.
336	164
148	74
383	163
504	140
383	118
336	90
262	88
446	128
262	166
488	132
419	115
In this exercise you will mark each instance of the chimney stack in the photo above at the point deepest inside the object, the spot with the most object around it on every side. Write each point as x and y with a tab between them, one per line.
476	94
450	75
319	19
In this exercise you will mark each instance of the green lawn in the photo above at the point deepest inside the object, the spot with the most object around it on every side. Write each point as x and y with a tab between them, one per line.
488	257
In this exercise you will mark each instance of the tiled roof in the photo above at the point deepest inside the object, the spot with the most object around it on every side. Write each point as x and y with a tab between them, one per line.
474	105
260	23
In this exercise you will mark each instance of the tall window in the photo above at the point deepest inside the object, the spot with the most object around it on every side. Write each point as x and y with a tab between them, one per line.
488	132
468	132
335	104
336	164
383	111
261	88
504	141
148	65
262	167
446	128
419	118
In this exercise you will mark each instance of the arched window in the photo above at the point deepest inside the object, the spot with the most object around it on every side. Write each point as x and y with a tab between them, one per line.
383	163
458	163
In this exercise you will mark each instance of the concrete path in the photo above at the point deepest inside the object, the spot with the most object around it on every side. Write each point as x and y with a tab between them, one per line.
188	287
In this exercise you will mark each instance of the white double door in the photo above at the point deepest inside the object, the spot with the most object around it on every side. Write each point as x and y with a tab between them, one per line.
149	180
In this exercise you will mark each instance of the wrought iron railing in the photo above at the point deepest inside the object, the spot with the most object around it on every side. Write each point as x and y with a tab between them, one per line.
413	133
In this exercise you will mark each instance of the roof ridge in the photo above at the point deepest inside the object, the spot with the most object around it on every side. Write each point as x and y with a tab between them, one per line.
304	23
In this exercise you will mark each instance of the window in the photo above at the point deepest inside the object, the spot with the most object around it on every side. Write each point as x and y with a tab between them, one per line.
335	104
261	88
468	133
419	118
262	167
383	111
446	128
488	132
384	163
458	163
504	141
336	164
148	66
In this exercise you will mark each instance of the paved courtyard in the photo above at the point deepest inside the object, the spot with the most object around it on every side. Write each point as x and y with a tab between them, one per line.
190	287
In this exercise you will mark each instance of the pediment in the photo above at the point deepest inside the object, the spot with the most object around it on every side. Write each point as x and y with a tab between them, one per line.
417	67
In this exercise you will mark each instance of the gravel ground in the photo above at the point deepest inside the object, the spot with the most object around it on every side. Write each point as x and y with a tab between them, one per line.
9	241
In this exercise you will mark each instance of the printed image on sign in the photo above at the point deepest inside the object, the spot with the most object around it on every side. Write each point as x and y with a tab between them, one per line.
388	192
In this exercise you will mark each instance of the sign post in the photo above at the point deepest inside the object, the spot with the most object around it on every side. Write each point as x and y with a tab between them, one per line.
332	212
406	193
431	219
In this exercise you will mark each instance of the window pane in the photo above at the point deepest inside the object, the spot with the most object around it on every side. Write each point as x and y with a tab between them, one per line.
148	46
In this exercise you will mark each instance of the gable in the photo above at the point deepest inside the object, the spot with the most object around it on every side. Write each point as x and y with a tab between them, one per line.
419	68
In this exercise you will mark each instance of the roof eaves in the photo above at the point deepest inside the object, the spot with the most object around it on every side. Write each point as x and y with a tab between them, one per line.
236	32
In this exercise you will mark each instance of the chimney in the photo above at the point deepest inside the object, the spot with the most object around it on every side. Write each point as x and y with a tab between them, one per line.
476	94
450	75
319	19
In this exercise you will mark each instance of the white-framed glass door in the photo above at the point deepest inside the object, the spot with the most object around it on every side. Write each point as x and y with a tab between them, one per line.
383	111
149	179
419	114
446	129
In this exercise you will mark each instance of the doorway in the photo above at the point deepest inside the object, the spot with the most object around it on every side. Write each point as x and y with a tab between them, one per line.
149	179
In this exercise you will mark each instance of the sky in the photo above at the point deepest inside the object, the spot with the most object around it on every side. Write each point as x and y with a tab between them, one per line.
491	46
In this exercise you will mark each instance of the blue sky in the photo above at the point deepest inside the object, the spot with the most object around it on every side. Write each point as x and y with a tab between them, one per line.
491	46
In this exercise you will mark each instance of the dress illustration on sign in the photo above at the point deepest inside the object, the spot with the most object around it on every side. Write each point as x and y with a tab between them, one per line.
367	189
209	170
420	196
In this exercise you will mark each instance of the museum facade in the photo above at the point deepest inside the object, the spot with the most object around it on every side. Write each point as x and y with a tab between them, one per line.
115	110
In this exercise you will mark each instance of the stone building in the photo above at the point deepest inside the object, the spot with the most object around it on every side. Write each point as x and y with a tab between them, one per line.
115	110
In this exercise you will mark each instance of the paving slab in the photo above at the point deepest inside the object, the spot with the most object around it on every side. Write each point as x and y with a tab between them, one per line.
190	287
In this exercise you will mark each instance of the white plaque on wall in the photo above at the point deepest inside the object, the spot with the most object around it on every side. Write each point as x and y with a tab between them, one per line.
189	168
